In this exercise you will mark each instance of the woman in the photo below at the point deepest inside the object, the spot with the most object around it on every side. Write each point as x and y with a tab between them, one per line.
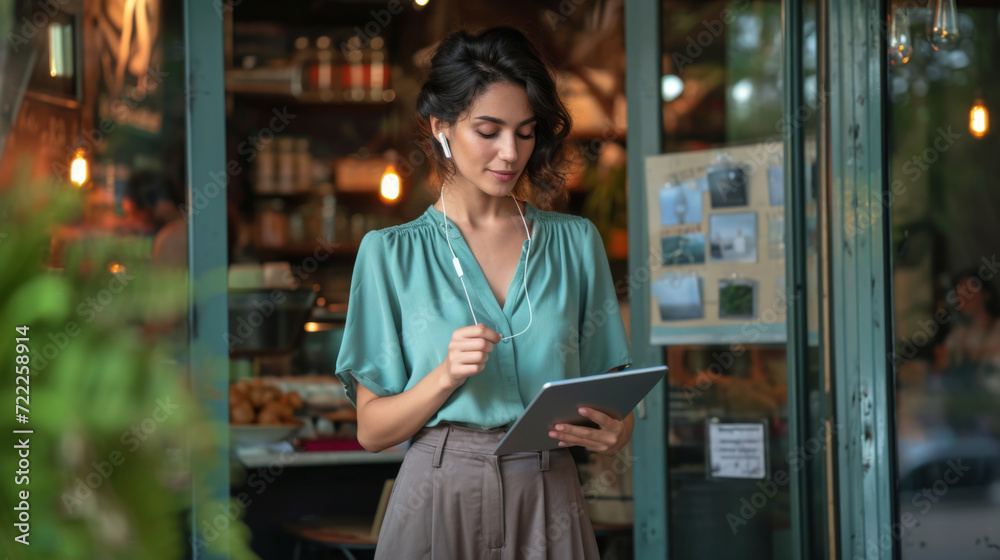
451	360
970	356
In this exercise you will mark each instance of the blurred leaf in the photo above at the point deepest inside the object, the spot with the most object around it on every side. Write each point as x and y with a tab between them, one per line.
45	298
109	407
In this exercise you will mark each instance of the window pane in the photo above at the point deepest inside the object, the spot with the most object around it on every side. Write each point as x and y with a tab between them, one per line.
944	211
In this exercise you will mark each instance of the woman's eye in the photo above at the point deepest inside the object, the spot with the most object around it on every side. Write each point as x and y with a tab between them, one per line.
487	136
527	136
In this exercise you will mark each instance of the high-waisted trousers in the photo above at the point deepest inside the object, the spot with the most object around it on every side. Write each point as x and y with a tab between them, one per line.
454	500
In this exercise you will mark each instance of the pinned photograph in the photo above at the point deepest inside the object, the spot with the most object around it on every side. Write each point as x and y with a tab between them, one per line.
734	236
727	186
683	249
680	204
736	299
776	237
776	185
678	297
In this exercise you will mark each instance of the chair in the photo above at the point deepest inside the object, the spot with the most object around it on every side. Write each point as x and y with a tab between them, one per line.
343	534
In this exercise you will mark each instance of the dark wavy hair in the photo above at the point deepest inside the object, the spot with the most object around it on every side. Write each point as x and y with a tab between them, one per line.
463	66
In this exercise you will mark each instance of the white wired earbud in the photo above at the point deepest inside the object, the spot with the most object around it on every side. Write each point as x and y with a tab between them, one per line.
458	266
446	148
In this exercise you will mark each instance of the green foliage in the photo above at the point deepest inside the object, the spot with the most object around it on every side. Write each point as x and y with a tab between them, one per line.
114	426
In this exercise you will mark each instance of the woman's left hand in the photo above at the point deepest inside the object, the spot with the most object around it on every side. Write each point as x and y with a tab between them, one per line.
608	439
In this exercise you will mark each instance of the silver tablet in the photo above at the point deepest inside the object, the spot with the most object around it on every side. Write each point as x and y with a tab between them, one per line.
614	394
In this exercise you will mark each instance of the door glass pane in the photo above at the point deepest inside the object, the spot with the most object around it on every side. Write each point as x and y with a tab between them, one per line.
945	206
93	247
723	92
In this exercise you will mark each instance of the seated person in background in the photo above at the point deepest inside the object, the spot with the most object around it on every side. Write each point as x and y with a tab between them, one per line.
970	355
152	201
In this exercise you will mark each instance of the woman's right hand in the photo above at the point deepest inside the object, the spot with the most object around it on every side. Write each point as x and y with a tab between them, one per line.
468	351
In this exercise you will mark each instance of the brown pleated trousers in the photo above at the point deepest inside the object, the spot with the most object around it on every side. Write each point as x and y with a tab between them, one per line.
454	500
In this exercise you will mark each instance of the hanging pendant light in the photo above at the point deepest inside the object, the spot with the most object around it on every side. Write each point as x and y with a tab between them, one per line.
979	119
900	45
944	27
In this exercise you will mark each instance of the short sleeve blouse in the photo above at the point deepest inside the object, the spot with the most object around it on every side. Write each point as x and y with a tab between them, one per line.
406	301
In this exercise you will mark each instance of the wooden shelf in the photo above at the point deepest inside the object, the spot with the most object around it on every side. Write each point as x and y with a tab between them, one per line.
335	249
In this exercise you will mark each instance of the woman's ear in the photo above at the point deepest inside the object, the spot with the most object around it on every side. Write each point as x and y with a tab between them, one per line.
440	130
437	125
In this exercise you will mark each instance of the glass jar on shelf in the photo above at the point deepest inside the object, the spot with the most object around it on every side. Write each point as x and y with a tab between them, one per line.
328	214
297	224
264	169
272	224
286	165
303	166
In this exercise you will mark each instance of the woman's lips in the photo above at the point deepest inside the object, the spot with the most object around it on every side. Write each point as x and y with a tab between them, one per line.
503	177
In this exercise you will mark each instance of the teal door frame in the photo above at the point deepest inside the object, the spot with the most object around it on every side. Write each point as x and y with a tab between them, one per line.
860	276
796	247
642	87
208	309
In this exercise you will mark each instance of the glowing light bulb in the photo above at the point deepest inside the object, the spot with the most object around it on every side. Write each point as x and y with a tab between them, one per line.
390	185
900	45
421	2
944	31
979	119
78	170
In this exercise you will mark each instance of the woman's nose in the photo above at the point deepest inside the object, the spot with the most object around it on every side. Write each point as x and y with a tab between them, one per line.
508	148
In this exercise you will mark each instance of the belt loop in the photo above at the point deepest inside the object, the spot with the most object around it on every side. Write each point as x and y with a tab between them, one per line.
543	460
445	430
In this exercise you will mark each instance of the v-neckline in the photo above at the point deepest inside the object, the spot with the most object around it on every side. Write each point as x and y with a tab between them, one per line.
476	273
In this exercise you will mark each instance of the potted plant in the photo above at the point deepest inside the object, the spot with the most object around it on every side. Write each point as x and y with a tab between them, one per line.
108	425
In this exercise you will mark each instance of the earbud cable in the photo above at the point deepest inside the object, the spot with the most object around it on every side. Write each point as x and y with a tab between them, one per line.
461	274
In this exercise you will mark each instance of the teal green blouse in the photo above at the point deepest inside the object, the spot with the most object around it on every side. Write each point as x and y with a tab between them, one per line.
406	301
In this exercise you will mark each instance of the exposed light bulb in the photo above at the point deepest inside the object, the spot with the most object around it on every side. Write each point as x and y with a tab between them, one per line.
979	119
78	169
390	187
944	27
900	45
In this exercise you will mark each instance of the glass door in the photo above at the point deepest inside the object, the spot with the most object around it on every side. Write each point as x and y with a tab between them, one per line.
942	89
732	245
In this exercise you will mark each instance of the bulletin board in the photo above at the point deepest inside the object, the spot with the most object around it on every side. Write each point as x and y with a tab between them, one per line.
717	246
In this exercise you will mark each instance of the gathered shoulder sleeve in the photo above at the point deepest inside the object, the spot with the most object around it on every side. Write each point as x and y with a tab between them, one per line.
604	344
370	353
